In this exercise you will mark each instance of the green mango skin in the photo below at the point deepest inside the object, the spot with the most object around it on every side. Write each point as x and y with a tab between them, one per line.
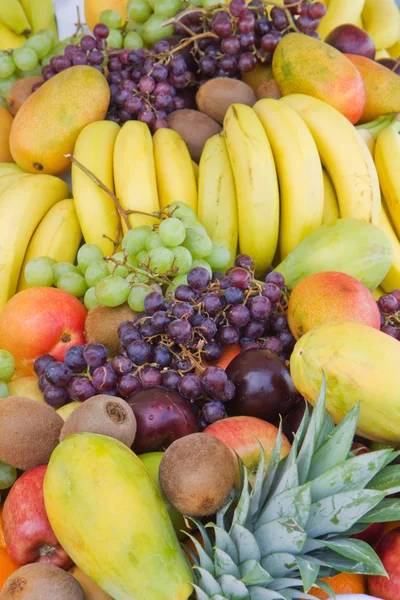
110	518
349	246
151	461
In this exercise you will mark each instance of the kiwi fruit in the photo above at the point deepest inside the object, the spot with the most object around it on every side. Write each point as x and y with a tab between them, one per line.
20	91
197	474
41	581
102	322
195	128
268	89
90	588
30	431
103	414
215	97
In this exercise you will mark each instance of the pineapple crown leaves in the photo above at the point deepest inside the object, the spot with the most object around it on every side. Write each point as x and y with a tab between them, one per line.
277	539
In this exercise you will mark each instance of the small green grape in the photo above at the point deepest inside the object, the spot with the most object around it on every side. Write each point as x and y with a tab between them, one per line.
182	259
112	291
139	10
134	278
39	272
73	283
25	58
49	34
219	258
4	393
167	8
143	258
134	26
32	73
7	65
6	85
197	242
111	18
172	232
153	30
88	254
95	272
154	241
179	210
120	270
90	299
8	476
40	43
134	241
137	296
115	39
7	366
161	260
200	262
132	260
133	40
62	268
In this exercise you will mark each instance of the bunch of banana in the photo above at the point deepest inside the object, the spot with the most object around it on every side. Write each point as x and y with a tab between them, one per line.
21	18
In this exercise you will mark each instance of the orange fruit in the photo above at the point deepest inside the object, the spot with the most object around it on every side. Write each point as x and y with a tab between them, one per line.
7	566
229	354
343	583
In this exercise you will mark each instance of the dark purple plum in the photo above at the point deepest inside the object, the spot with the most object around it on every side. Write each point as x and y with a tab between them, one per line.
291	421
351	39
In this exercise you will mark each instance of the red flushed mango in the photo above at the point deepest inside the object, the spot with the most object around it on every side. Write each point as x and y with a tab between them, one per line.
382	88
330	296
305	65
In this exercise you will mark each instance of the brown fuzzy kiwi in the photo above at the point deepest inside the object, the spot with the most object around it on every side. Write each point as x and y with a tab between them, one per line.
197	473
216	96
103	414
40	581
29	432
102	322
195	128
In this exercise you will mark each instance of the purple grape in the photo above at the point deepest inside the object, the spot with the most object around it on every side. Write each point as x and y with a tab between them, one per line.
178	103
146	116
276	278
42	382
190	386
101	31
128	385
104	378
228	64
197	319
96	57
58	374
80	389
164	87
246	23
139	352
244	262
160	73
147	330
287	340
114	64
208	329
260	308
162	356
79	59
250	346
306	24
211	352
162	46
41	363
147	84
222	27
182	310
272	292
279	18
114	78
180	331
388	303
230	45
129	337
170	380
121	97
154	302
55	396
208	65
238	8
279	322
183	364
228	393
198	279
262	27
273	344
122	364
238	315
95	354
135	58
60	63
212	412
179	81
185	293
160	321
233	295
253	330
133	105
163	101
239	278
215	379
247	40
212	303
227	335
317	10
389	330
177	65
151	377
71	50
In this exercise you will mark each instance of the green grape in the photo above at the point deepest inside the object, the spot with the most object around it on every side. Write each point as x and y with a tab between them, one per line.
137	296
197	242
49	34
193	223
57	50
90	299
4	393
39	272
161	260
154	241
88	254
134	241
133	278
7	366
133	40
182	259
62	268
25	58
95	272
111	18
113	269
143	258
179	280
167	8
200	262
219	258
115	39
207	3
8	476
179	210
40	43
7	65
132	260
6	85
172	232
112	291
73	283
134	26
139	10
33	73
153	30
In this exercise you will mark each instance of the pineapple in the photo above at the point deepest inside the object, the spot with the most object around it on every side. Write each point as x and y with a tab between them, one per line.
294	526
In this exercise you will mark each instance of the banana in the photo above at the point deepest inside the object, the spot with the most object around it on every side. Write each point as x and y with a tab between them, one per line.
174	171
57	236
134	172
9	39
382	54
7	180
40	14
381	20
340	12
387	160
22	207
7	168
378	293
299	172
217	207
331	207
392	279
97	213
394	51
12	15
256	183
368	139
195	167
344	155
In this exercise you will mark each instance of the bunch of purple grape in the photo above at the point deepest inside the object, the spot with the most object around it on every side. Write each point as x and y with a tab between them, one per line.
389	307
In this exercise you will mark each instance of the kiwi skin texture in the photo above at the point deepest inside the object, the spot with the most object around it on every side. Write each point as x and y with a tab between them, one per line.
101	325
195	128
197	474
41	581
216	96
30	431
106	415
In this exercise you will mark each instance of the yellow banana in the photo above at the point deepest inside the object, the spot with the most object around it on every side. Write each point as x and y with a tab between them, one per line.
381	20
7	180
97	213
256	183
378	293
344	155
217	207
134	172
12	15
9	39
8	168
387	160
394	51
382	54
340	12
175	177
392	279
57	236
368	139
22	207
331	207
195	167
299	172
40	14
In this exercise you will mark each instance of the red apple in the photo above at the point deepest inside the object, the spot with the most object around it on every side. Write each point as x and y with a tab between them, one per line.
27	531
241	435
359	449
388	551
38	321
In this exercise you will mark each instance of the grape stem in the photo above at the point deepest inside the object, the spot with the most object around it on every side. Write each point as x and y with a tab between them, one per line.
158	278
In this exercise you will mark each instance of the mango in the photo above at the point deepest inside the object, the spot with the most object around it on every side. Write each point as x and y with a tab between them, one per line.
330	296
361	366
350	246
382	88
109	516
49	121
94	8
305	65
6	120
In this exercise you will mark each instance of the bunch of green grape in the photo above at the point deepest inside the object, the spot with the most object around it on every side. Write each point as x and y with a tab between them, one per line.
150	256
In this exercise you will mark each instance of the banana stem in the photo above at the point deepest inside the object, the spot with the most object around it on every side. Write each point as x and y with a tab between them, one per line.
375	127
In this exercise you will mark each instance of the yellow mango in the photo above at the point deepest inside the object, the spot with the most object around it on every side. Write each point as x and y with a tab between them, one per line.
361	366
110	518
